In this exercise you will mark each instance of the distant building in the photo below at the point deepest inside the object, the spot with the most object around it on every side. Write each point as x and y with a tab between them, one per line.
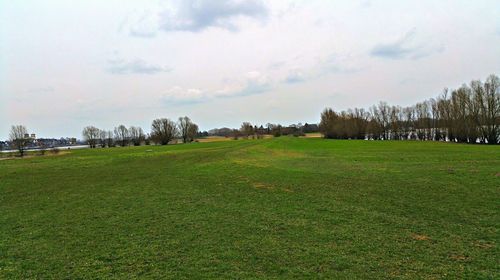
26	135
33	136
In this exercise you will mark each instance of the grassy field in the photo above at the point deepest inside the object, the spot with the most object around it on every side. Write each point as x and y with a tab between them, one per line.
272	208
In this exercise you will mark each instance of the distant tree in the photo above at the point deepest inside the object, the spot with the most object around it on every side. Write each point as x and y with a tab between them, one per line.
187	129
375	124
328	123
121	135
202	134
224	131
91	135
136	135
147	139
19	138
350	124
383	109
436	133
445	121
110	142
192	132
269	128
298	132
490	110
274	129
459	111
260	131
394	123
235	134
163	131
103	135
310	128
247	129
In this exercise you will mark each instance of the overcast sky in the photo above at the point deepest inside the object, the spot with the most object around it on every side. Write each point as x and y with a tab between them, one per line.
68	64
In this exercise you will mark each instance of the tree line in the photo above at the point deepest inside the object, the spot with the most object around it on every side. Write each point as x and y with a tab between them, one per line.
248	130
163	132
469	114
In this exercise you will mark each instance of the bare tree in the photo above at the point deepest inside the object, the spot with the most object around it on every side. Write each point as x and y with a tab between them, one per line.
376	124
459	111
192	132
260	131
326	125
435	116
91	135
187	129
122	135
109	139
491	111
359	119
444	108
163	131
274	129
235	133
136	135
383	109
102	138
19	138
246	129
147	139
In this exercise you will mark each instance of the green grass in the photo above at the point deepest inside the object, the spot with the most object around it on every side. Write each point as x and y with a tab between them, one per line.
274	208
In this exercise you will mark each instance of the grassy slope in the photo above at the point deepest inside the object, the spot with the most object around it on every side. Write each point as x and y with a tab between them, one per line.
265	208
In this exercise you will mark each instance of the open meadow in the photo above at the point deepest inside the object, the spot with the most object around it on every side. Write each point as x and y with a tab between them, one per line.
271	208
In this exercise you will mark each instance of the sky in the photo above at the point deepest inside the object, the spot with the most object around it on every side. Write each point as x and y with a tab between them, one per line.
68	64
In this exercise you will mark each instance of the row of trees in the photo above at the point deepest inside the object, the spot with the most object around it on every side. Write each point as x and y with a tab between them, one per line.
469	114
163	131
247	130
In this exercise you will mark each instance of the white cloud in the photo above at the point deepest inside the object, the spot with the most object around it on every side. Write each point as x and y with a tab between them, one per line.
405	47
295	76
251	83
181	95
197	15
144	25
136	66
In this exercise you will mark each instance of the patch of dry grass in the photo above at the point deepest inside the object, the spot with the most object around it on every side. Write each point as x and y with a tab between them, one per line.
313	135
213	139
